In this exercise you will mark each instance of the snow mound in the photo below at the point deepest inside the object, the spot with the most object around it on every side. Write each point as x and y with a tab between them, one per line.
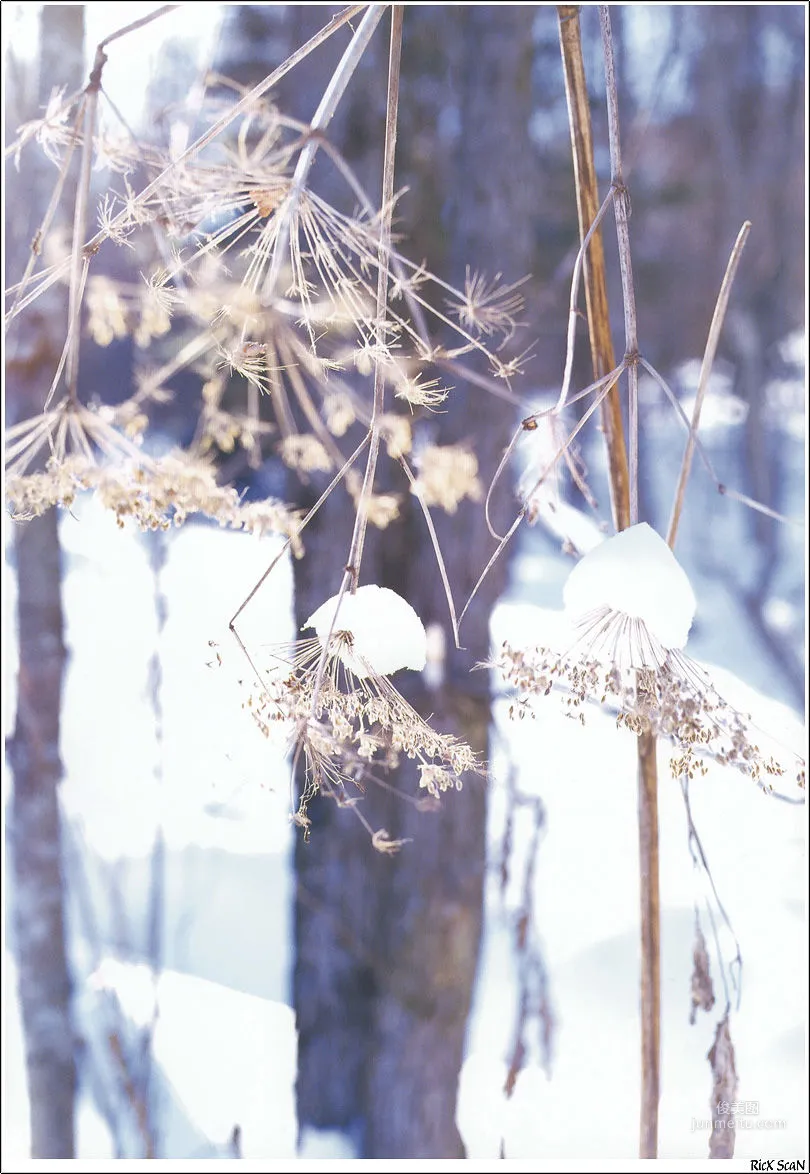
635	574
386	633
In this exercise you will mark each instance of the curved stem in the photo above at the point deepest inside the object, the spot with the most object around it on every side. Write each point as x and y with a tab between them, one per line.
705	372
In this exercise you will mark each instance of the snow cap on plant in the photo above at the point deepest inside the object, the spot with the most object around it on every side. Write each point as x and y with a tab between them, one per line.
630	598
345	716
379	631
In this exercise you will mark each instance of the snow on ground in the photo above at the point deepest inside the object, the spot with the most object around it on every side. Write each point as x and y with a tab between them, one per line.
225	1040
587	899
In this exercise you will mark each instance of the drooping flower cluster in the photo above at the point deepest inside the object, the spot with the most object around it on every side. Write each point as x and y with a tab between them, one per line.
268	293
630	606
674	700
155	494
447	475
349	722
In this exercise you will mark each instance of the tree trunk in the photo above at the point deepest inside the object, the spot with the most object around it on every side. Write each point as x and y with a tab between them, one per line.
44	978
37	896
386	946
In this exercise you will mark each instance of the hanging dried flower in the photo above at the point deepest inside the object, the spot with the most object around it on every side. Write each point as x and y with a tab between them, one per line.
349	720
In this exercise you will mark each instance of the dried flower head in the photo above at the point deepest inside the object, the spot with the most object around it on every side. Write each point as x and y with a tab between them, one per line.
489	306
448	474
345	718
52	131
674	699
305	453
420	392
347	724
630	599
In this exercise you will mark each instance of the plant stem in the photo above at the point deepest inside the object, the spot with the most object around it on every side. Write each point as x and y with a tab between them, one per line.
602	354
624	496
383	256
320	120
650	945
621	205
351	573
647	746
705	372
78	260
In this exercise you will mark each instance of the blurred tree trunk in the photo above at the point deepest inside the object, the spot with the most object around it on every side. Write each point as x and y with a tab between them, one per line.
37	896
387	947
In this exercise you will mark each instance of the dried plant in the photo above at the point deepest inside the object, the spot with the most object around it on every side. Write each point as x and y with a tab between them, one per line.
305	323
350	724
674	701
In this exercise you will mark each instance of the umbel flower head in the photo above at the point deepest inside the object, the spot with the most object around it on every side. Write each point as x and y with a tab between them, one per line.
349	721
631	606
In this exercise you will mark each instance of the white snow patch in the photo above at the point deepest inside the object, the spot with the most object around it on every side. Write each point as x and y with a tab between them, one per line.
635	574
314	1145
229	1057
387	634
482	1108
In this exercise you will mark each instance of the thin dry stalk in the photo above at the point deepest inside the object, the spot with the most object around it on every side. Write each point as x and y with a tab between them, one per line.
373	436
164	10
384	252
436	550
697	445
624	495
47	220
650	944
321	119
621	205
293	539
78	258
705	372
602	354
351	574
647	745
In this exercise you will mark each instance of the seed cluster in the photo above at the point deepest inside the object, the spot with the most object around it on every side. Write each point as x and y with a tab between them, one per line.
347	727
675	700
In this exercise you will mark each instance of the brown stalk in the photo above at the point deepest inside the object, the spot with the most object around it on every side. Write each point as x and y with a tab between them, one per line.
602	354
624	501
